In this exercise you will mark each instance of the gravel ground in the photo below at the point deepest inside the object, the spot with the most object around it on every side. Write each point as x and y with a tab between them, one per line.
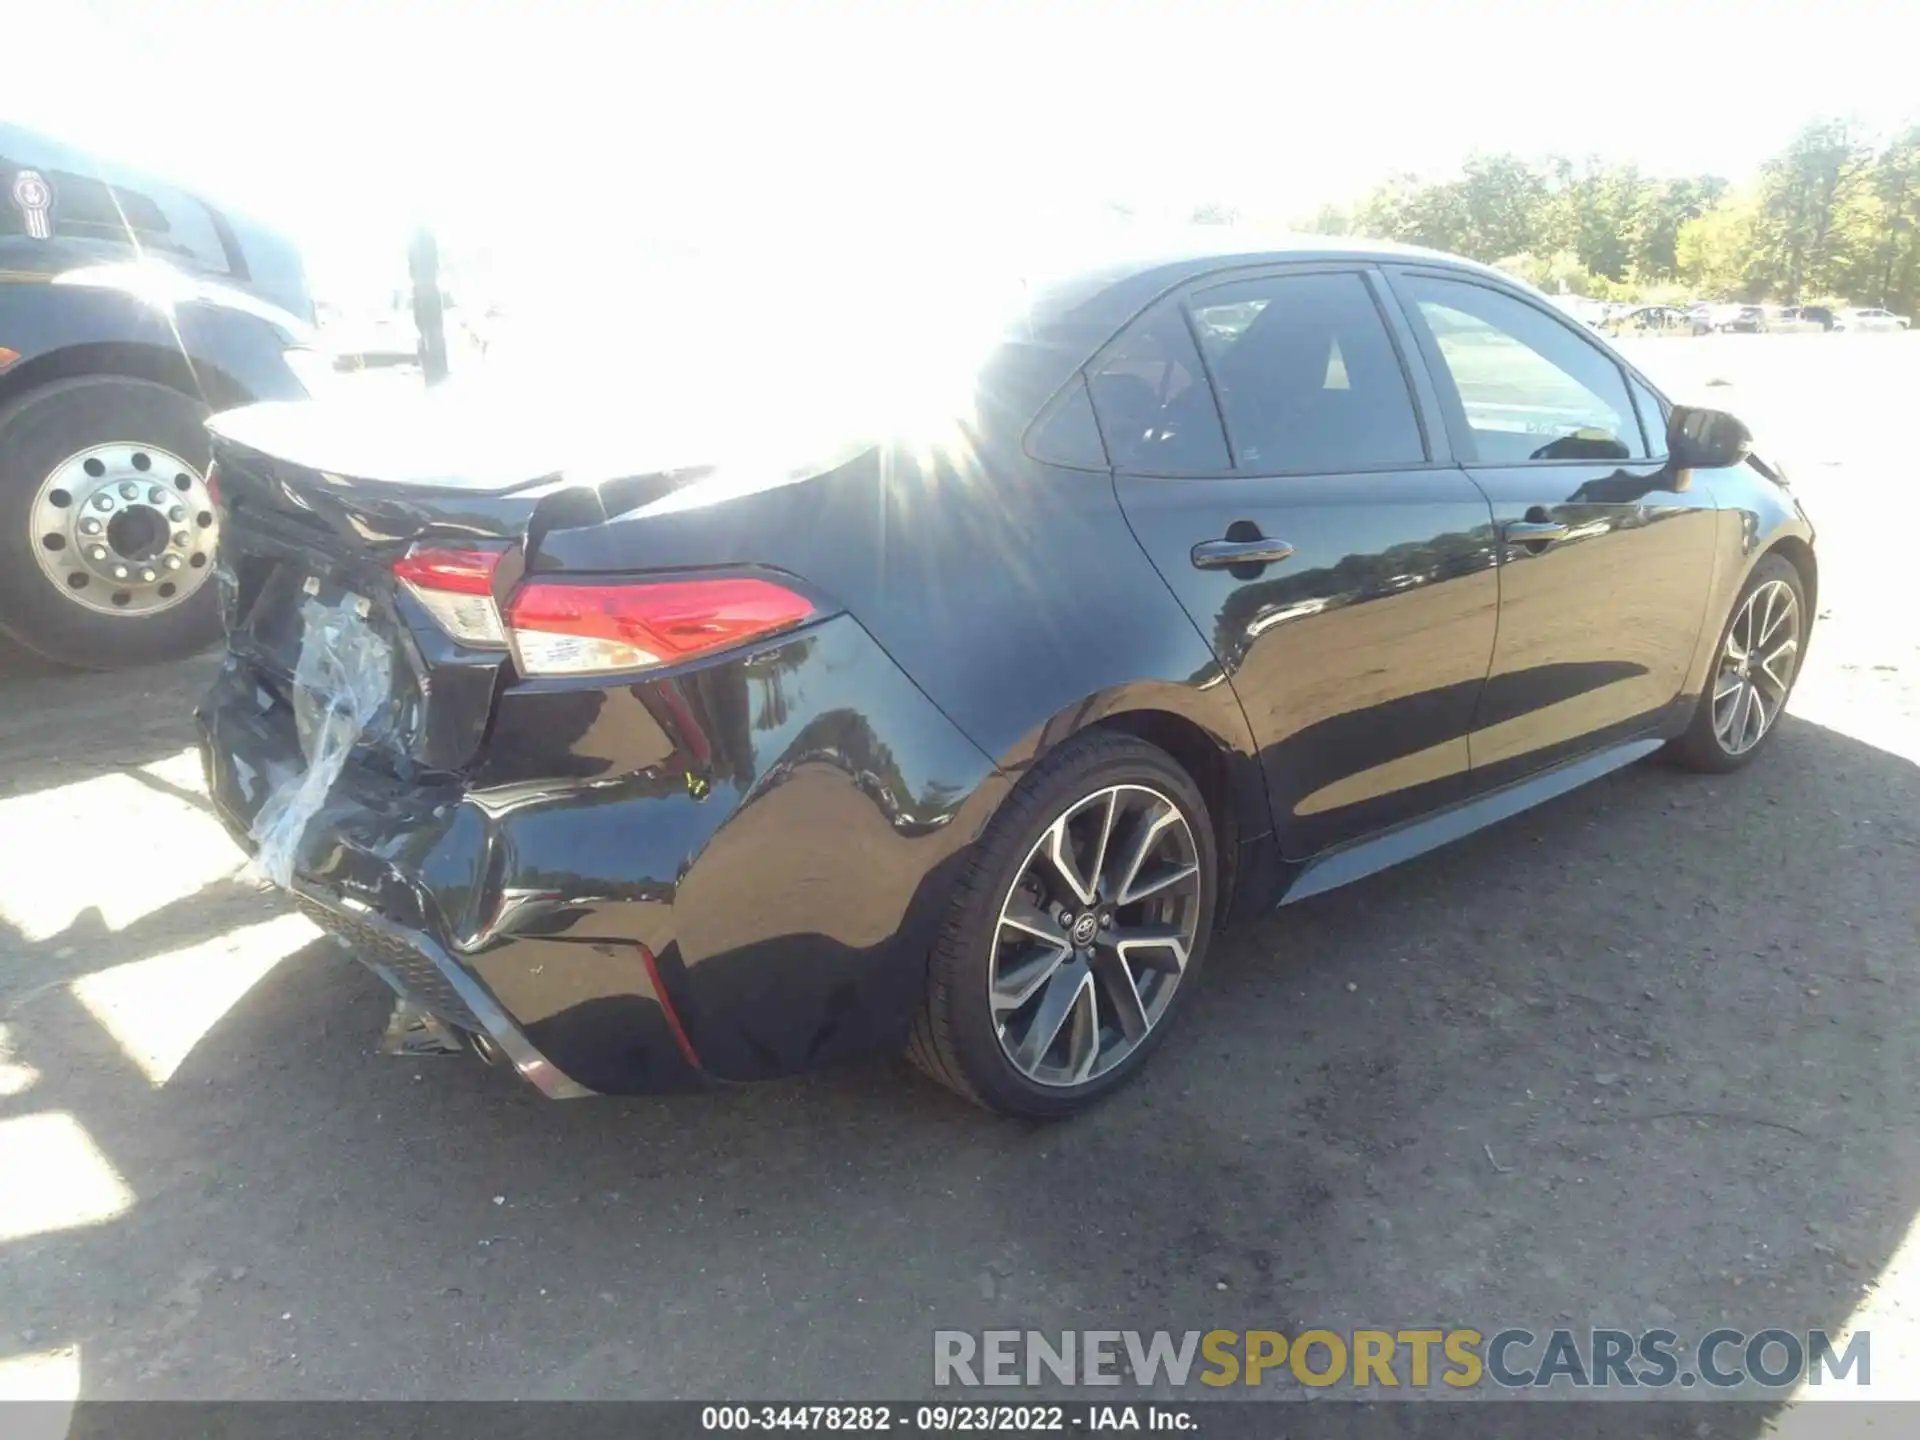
1635	1058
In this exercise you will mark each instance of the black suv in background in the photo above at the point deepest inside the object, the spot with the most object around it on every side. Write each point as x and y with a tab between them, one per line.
129	310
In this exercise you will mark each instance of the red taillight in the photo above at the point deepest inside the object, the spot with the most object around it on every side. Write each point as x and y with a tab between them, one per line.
456	587
463	572
574	629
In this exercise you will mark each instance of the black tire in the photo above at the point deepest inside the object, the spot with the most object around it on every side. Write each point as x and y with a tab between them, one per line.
1699	747
954	1039
38	431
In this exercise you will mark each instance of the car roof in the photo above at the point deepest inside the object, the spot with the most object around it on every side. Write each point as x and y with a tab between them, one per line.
1176	254
1082	289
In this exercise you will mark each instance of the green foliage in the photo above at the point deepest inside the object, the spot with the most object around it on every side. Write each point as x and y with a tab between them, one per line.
1893	263
1715	252
1830	215
1815	215
1555	273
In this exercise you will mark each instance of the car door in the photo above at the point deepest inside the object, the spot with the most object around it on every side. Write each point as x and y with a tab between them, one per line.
1606	552
1272	460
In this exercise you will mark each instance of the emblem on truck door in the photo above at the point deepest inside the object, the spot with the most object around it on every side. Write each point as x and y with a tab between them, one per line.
33	198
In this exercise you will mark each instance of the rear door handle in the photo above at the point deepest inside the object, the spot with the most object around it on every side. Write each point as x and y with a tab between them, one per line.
1223	554
1534	532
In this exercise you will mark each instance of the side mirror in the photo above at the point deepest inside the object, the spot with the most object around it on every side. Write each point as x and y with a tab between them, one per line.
1706	439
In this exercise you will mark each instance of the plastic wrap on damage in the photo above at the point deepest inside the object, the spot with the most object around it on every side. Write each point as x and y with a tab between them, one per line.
341	684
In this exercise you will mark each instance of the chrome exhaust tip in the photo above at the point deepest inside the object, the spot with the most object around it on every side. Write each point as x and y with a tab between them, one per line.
486	1047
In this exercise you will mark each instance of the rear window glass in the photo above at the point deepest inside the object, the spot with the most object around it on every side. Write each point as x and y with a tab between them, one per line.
1156	410
1307	375
1067	434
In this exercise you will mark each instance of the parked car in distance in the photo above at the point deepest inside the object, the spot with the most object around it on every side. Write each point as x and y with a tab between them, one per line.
129	309
1870	318
1701	318
1741	319
1233	576
1591	313
1801	319
1656	317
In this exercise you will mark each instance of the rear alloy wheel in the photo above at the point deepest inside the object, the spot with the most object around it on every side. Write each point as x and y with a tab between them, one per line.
103	484
1754	671
1094	935
1076	932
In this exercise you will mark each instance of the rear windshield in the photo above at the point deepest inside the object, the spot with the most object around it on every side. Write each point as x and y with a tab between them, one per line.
802	362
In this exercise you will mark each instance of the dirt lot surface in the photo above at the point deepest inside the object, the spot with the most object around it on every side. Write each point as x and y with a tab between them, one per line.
1638	1058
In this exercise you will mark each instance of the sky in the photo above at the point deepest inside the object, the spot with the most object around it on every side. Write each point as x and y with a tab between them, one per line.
537	122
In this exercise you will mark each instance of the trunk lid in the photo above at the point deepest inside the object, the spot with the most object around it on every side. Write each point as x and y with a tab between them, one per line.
319	499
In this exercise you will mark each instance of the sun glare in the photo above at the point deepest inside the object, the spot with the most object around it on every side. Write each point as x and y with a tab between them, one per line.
49	1378
16	1076
57	1179
158	1009
41	832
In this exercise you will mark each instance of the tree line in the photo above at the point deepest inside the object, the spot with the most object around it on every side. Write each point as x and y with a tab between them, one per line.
1834	217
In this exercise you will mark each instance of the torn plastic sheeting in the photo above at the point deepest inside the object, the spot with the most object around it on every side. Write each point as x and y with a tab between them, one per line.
341	683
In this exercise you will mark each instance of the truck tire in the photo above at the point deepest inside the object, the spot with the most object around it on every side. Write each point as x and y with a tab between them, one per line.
107	527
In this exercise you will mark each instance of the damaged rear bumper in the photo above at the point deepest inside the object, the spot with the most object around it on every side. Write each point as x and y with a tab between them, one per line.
425	973
728	873
385	868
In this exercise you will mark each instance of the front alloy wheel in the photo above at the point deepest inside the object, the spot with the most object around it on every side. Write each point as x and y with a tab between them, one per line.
1756	666
1075	932
1759	658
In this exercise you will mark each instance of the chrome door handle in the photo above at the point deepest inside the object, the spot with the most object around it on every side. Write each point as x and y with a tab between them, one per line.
1223	554
1533	532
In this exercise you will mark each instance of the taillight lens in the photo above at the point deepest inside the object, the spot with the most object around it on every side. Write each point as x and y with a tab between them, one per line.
456	587
576	629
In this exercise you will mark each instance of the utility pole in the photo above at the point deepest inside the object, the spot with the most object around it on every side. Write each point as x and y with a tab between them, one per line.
429	315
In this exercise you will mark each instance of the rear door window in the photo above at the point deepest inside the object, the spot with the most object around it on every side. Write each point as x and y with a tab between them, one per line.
1155	407
1307	375
1066	433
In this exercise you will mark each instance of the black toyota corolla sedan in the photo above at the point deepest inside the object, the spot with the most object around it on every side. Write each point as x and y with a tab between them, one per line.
765	740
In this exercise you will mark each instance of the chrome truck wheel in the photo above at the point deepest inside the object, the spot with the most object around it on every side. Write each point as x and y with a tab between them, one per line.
124	528
107	529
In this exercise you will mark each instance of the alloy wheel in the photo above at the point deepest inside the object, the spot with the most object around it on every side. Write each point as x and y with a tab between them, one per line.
1756	667
1094	935
124	529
